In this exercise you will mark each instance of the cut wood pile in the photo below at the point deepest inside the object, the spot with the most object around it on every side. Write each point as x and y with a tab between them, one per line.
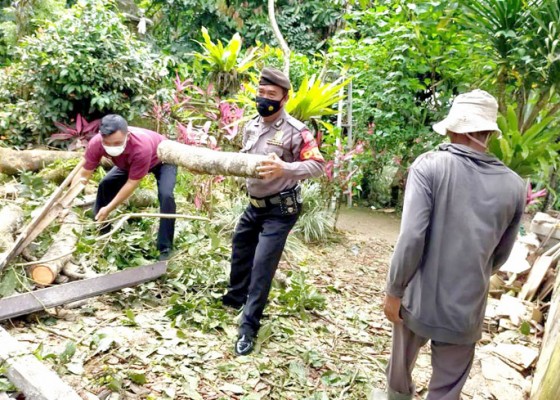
522	311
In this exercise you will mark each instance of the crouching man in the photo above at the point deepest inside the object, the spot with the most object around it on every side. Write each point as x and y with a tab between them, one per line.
134	153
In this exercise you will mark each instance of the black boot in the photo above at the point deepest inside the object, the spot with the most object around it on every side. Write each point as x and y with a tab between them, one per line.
245	344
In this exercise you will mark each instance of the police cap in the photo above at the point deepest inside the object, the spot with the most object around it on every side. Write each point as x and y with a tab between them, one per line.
273	76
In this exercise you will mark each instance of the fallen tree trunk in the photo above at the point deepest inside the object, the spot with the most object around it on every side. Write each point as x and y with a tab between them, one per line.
11	219
45	271
35	380
205	161
12	161
58	174
142	198
546	384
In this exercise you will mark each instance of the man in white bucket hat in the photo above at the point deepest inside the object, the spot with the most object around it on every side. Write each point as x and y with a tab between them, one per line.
461	215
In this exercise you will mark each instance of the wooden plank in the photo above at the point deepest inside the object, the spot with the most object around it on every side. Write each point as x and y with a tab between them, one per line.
536	276
35	380
38	300
31	227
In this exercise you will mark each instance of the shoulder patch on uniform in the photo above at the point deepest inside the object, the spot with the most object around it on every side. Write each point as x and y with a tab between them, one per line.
295	123
309	150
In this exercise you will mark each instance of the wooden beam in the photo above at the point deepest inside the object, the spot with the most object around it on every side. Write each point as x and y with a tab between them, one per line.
42	299
58	198
34	379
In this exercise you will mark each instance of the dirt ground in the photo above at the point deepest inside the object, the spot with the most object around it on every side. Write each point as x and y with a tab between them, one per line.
339	352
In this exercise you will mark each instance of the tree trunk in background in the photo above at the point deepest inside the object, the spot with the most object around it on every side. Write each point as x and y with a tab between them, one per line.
14	161
279	37
205	161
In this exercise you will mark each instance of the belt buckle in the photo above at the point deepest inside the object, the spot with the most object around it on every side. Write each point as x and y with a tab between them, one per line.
254	202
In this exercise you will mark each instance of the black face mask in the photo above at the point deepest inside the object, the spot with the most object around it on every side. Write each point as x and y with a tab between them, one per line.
267	107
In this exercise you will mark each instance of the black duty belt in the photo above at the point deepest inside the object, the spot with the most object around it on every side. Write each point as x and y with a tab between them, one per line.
273	200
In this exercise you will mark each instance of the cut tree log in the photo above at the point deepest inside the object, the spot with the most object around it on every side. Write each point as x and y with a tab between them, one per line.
11	219
58	201
64	243
205	161
546	383
142	198
76	272
13	161
35	380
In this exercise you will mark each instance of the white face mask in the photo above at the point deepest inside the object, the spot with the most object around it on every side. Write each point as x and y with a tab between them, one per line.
115	151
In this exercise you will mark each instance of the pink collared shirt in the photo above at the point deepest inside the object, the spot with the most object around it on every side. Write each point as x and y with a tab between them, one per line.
139	157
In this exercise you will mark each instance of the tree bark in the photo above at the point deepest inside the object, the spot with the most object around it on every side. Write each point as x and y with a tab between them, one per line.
205	161
64	242
11	219
13	161
546	383
279	36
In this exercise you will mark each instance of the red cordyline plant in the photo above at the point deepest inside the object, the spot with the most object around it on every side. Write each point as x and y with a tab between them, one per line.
79	134
532	196
196	136
190	103
340	171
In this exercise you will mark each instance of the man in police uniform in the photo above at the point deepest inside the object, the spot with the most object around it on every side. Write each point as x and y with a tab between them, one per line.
275	201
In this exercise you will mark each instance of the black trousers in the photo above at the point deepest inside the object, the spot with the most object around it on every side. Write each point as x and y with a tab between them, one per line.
258	242
166	176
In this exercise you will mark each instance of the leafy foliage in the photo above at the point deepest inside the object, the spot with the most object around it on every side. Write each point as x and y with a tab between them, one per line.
529	153
98	68
173	22
522	40
226	71
407	60
79	135
315	98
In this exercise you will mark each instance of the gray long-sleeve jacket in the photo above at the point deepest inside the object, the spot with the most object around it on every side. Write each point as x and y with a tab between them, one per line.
291	141
461	215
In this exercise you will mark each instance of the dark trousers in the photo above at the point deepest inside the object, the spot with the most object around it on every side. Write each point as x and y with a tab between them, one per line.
451	364
166	176
258	242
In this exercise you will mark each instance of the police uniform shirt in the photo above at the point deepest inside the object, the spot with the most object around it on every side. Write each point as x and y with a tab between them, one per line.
292	142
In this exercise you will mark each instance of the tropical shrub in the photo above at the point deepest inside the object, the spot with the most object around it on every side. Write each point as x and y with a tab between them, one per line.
407	61
86	62
315	99
226	70
531	153
306	24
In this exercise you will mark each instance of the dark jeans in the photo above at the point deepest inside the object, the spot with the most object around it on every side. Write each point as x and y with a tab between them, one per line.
258	242
166	176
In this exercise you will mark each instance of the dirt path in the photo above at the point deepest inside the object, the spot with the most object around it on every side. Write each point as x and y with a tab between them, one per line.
371	224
